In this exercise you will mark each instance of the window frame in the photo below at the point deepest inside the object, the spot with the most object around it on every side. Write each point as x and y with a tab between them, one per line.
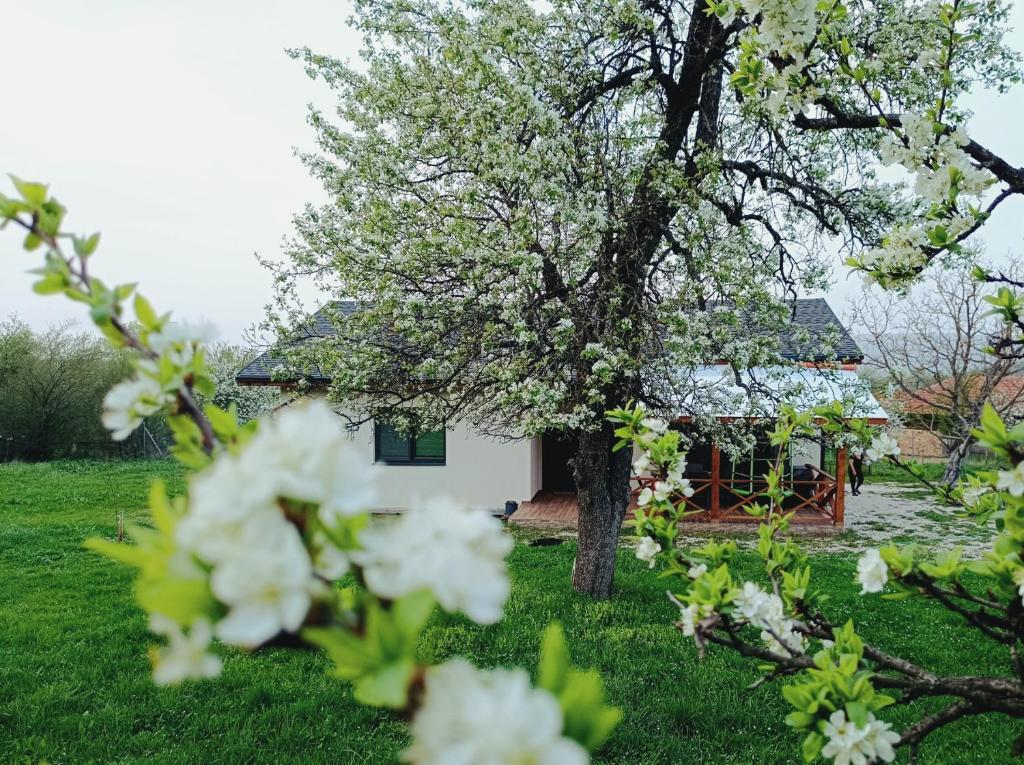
414	460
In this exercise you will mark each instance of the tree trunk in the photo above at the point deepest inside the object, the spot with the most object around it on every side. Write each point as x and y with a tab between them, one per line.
602	494
955	462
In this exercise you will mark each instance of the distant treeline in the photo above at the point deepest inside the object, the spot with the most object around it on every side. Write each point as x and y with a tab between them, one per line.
52	385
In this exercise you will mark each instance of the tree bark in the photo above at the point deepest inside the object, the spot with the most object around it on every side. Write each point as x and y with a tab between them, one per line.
955	462
602	494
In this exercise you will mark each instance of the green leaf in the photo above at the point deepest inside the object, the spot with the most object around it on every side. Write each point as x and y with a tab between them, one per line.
133	555
145	314
84	247
388	687
812	746
412	612
34	194
554	659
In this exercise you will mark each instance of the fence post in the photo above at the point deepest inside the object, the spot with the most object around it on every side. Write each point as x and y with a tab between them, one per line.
840	485
716	465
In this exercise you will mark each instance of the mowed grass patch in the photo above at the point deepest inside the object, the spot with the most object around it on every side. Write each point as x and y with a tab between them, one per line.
76	685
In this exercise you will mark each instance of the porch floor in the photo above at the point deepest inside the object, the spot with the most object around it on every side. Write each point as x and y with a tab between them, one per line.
558	510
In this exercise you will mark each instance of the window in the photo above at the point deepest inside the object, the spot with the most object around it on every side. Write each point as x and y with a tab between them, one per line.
393	448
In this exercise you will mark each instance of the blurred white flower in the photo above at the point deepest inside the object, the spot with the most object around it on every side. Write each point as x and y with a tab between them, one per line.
177	340
646	549
267	585
645	496
642	464
302	454
691	615
662	490
328	561
697	570
656	424
458	554
872	572
1012	480
477	717
883	445
184	657
129	402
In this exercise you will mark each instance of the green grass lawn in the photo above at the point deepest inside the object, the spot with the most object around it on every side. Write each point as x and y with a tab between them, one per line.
74	678
886	472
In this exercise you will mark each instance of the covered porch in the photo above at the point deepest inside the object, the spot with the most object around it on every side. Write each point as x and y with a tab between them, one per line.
727	482
816	496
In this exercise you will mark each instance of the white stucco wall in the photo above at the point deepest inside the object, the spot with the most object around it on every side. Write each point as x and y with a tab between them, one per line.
479	472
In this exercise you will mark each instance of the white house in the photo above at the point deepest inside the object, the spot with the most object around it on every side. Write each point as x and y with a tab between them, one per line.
484	472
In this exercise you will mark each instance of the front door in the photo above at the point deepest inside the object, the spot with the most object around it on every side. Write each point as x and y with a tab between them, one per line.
556	451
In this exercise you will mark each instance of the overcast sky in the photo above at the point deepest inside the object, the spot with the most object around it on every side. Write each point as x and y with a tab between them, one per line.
171	128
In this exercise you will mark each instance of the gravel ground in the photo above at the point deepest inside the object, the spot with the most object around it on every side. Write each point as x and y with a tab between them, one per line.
882	514
885	513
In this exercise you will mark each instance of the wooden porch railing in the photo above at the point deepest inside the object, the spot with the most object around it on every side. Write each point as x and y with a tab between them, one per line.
822	494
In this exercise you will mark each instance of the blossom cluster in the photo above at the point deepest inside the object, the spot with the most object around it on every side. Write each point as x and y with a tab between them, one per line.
263	523
945	179
850	744
157	379
767	612
473	716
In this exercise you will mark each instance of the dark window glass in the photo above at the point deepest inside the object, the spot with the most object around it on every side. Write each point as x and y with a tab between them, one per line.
393	448
430	445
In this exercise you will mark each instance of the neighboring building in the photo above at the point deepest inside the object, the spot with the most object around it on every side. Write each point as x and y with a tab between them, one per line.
928	434
483	472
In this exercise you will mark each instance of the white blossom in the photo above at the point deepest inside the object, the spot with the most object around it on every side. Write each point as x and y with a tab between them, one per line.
655	424
1012	480
881	739
129	402
844	741
872	572
848	744
646	550
697	570
767	612
185	657
267	585
691	615
495	717
458	554
177	341
642	464
883	445
302	454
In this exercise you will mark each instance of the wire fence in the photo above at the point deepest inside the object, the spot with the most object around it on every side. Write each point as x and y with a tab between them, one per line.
141	444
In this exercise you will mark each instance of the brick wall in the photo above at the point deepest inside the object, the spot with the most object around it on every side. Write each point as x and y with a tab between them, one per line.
919	444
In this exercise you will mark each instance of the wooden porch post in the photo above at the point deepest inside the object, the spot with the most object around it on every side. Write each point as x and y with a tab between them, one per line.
840	485
716	464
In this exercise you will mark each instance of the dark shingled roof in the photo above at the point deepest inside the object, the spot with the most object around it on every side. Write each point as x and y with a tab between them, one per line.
811	315
815	316
260	370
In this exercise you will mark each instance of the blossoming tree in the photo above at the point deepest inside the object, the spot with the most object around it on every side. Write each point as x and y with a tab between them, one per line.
275	516
537	202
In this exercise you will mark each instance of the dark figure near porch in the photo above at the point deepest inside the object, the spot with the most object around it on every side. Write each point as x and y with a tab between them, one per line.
856	470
